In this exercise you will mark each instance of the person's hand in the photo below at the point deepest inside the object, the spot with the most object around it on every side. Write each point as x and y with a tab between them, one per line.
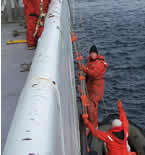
119	104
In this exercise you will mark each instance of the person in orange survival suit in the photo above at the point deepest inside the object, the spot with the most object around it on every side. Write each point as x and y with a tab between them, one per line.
32	14
94	70
115	138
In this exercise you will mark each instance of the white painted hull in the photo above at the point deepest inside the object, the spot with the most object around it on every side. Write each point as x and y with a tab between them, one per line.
46	118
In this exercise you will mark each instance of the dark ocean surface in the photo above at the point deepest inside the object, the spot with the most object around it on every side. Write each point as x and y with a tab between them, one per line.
117	28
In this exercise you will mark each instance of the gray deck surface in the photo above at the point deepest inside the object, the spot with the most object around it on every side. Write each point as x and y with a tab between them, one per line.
12	79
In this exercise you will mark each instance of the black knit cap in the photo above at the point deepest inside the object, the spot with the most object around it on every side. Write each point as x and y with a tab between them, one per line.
93	49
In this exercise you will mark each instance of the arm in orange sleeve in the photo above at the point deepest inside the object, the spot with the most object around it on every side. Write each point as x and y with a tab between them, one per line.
95	132
123	117
104	61
94	73
25	2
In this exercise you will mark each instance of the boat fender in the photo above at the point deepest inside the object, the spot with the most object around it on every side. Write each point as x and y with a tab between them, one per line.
73	37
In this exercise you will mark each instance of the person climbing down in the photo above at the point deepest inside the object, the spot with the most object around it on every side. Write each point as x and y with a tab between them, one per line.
34	19
115	138
95	71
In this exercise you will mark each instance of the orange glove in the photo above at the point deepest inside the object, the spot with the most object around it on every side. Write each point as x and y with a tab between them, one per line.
119	104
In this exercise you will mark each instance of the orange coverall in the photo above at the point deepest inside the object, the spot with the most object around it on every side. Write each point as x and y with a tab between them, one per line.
115	146
32	12
95	71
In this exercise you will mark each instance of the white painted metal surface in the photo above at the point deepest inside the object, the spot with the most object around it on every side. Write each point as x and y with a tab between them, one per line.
46	118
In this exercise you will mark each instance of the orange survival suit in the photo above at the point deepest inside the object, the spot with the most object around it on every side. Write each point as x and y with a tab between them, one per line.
32	13
95	71
115	146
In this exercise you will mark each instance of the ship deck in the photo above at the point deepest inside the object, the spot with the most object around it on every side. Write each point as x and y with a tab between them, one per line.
12	56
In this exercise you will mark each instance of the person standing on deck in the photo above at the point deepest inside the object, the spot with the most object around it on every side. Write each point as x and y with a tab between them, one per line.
95	71
115	138
34	19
